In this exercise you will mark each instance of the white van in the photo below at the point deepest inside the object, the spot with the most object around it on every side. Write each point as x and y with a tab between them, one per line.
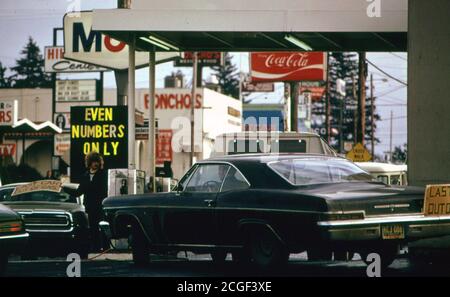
389	174
251	142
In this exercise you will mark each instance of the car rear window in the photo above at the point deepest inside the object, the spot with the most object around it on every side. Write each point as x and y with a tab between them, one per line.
316	171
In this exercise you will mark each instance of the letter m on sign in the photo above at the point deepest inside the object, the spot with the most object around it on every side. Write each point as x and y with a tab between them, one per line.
80	35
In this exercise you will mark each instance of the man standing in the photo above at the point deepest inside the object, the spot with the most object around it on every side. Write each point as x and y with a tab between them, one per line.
94	186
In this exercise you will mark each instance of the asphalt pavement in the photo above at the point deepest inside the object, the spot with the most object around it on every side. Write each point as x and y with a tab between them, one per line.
190	265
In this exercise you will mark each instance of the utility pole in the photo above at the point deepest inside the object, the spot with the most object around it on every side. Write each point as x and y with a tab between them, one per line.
362	98
355	112
152	119
390	140
327	101
287	107
372	120
131	106
194	87
294	106
341	125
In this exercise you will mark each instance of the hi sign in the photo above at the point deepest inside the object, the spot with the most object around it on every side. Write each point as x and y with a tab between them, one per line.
288	66
83	44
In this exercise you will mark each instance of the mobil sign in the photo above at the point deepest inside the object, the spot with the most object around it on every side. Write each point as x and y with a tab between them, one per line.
83	44
288	66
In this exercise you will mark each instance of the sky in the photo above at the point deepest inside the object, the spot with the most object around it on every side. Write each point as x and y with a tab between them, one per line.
20	19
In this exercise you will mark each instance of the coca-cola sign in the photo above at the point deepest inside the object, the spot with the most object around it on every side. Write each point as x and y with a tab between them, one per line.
288	66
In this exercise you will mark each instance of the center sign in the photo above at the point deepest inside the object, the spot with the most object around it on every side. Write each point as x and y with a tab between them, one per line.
98	129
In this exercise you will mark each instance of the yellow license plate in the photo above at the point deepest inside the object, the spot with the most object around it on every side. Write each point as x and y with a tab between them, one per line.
392	232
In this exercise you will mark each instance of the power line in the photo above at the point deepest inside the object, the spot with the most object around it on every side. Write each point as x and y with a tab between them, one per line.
385	73
398	56
394	118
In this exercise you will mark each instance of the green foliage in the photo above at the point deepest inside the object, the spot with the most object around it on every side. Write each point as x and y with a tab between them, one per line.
29	69
344	65
399	155
228	77
4	81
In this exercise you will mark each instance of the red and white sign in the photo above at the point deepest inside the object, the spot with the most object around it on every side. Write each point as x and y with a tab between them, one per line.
62	144
316	92
163	146
288	66
203	59
174	100
7	149
8	112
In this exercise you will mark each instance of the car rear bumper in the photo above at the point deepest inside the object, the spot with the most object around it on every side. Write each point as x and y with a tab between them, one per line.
415	227
13	243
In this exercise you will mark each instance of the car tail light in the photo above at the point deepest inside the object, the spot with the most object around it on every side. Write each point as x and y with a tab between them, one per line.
11	227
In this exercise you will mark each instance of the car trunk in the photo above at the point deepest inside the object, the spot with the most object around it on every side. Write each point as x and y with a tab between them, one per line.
374	199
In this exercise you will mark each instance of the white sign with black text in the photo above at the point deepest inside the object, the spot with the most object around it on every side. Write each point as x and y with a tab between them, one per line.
55	62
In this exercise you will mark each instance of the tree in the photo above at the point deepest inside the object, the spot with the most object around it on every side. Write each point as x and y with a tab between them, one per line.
399	155
4	81
29	69
228	77
342	65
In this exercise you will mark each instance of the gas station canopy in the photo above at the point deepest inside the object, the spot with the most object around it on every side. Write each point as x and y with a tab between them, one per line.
259	25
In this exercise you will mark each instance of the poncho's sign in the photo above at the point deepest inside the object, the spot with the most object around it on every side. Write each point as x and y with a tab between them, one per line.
103	129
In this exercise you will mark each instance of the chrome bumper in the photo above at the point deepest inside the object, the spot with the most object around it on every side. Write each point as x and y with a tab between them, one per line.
13	243
415	226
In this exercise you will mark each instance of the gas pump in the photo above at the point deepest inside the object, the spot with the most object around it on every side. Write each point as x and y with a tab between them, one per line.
164	177
125	181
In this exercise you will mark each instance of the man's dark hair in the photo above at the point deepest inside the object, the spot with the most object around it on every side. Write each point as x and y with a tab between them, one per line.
93	157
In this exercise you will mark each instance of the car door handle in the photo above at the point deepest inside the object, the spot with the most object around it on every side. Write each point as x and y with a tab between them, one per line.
209	202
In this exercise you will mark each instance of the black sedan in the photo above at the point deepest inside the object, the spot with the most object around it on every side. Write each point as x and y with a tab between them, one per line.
56	221
263	207
12	235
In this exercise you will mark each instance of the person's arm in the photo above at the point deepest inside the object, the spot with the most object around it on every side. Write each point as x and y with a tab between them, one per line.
78	191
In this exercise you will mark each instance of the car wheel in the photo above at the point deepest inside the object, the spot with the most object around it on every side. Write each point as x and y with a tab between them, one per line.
219	257
3	263
267	251
320	254
83	251
139	246
241	257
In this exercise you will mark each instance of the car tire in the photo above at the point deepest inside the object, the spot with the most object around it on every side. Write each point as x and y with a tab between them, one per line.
219	257
3	263
241	257
318	254
83	251
139	246
266	251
